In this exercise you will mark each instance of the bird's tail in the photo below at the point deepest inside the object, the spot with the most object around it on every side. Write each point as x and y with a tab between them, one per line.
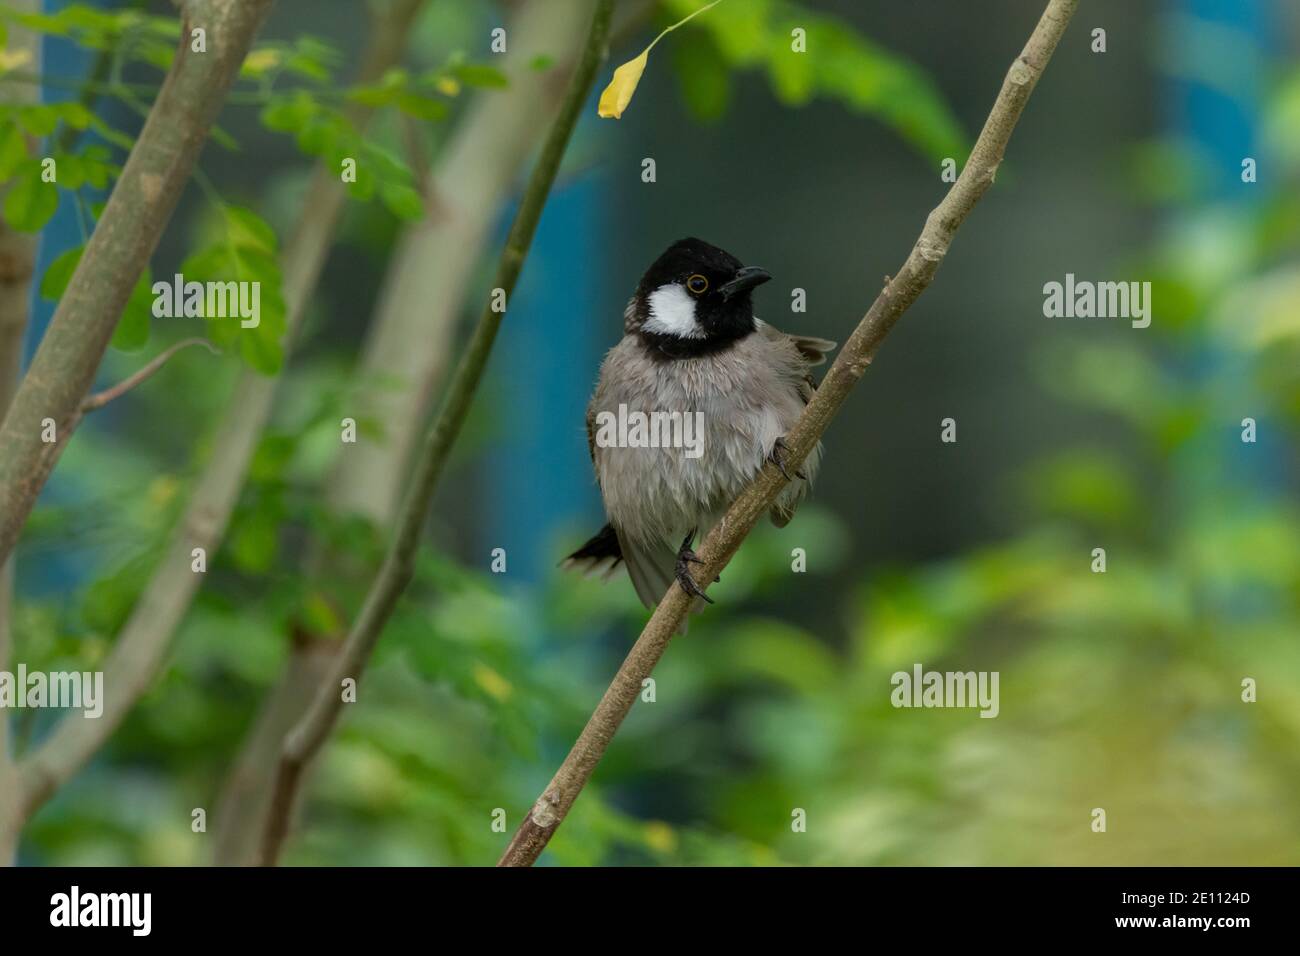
651	574
600	556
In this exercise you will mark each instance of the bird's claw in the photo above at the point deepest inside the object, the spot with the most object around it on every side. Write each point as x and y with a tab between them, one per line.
777	457
685	558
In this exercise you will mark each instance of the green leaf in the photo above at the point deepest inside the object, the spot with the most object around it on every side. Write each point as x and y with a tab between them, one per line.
40	120
374	96
255	541
480	74
262	352
390	87
132	330
106	602
793	78
59	273
30	203
312	58
74	114
13	150
403	201
40	23
703	76
421	107
243	250
262	60
319	616
289	113
364	185
388	165
838	64
320	135
246	229
98	169
224	139
87	18
71	171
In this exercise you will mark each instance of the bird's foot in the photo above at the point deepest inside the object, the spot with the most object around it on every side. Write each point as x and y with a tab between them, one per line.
685	558
778	456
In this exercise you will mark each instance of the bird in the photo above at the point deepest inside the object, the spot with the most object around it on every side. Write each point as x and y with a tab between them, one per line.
693	353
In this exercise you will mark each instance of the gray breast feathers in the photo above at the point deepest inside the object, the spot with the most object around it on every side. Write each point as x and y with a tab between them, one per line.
740	401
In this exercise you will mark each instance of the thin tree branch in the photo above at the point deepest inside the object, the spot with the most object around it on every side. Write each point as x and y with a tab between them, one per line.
432	267
314	729
138	210
93	403
143	640
725	538
423	294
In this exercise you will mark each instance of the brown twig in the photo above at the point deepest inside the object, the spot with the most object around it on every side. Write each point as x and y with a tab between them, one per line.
722	542
98	400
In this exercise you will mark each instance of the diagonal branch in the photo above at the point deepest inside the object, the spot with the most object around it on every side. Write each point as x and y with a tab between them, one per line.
725	539
137	212
310	734
423	292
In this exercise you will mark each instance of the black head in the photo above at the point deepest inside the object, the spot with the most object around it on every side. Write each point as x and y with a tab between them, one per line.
695	300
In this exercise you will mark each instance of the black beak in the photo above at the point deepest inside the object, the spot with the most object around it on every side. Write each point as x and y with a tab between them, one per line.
746	279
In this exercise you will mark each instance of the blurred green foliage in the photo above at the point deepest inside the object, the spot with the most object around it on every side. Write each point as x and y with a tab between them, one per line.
235	244
1119	690
848	68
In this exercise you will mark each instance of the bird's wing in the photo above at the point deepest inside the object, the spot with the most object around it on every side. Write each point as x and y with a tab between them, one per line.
651	570
812	351
812	348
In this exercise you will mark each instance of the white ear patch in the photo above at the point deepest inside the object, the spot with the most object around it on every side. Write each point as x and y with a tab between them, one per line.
672	312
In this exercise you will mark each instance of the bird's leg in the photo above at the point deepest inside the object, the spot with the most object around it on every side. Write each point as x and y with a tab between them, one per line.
779	450
685	558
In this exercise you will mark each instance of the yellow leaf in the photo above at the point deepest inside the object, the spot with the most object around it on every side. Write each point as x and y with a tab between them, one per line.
492	682
259	61
614	100
660	836
162	490
619	92
12	59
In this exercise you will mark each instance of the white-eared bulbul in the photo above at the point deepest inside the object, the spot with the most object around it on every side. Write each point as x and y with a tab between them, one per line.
691	345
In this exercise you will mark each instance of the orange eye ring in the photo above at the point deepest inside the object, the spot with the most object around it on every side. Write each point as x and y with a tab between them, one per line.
698	284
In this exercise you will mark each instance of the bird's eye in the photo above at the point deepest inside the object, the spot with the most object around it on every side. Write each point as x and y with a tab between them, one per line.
697	284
